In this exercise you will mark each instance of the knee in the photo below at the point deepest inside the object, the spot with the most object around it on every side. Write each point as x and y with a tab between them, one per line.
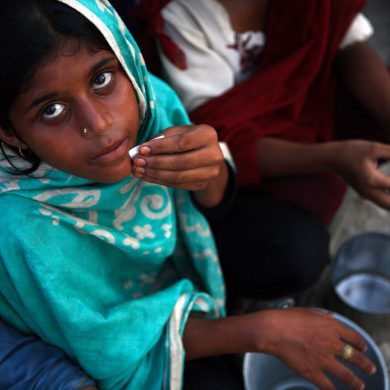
305	254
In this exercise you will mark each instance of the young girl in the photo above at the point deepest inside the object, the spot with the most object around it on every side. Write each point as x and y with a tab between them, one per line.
108	258
263	74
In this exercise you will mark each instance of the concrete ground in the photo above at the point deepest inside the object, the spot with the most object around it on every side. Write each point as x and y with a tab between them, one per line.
378	11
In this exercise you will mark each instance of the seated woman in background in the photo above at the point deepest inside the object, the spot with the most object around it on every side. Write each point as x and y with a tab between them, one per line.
263	74
106	257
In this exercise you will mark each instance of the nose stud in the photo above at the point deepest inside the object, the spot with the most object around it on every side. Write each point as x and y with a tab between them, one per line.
84	131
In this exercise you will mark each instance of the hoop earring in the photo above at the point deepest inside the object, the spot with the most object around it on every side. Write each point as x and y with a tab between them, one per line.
84	132
22	154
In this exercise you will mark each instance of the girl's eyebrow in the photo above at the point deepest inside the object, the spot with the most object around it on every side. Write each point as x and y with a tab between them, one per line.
94	69
41	100
102	63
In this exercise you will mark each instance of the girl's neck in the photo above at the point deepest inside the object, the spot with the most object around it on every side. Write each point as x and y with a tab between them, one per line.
246	15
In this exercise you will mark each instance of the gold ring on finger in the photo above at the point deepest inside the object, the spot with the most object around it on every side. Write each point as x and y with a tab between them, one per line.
347	352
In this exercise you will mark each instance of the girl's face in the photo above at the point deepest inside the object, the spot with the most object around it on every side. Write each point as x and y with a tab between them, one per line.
79	89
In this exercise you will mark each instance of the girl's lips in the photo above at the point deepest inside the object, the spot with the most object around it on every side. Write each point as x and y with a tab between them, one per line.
112	153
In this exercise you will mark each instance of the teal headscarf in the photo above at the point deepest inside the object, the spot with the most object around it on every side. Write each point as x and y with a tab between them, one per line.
109	272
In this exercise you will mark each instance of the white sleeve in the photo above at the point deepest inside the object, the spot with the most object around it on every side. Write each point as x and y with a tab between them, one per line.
208	74
360	30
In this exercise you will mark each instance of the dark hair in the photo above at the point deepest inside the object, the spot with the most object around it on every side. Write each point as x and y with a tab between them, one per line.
32	33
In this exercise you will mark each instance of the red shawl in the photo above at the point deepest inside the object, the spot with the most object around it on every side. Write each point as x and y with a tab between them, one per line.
291	97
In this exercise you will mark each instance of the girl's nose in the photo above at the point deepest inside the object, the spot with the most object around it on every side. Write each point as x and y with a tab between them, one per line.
97	118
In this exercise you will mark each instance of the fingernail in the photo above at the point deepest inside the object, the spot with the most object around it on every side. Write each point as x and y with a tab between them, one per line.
140	162
139	172
373	370
145	150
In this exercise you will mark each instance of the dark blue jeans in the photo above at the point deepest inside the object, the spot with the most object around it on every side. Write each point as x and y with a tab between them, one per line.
27	363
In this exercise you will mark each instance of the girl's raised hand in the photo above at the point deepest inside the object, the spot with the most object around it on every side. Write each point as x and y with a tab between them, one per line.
188	157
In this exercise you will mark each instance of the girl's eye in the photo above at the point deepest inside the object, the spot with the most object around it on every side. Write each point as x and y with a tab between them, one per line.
53	110
102	80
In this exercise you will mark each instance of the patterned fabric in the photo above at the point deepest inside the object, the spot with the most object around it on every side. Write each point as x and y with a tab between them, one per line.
109	272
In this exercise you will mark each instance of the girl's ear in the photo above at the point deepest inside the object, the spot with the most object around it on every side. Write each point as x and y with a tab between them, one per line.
10	138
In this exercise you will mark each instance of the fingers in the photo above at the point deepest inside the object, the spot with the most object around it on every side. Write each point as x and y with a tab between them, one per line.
320	380
342	372
349	336
186	160
346	376
379	180
354	356
358	359
376	188
191	179
180	139
380	196
188	157
381	151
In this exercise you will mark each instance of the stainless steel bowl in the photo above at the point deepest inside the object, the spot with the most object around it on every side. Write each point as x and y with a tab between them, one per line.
360	273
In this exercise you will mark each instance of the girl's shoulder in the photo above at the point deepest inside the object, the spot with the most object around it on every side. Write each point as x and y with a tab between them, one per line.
170	108
16	213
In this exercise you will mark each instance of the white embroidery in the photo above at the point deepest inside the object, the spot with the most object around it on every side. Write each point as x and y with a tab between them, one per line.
147	279
202	304
208	254
12	185
205	232
131	241
48	211
104	234
150	203
103	5
93	216
141	59
128	211
168	230
144	232
128	284
82	198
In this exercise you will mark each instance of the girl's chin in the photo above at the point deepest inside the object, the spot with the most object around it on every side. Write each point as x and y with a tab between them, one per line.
111	175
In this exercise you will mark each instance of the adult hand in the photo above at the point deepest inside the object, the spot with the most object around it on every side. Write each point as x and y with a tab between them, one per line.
188	157
309	342
358	163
